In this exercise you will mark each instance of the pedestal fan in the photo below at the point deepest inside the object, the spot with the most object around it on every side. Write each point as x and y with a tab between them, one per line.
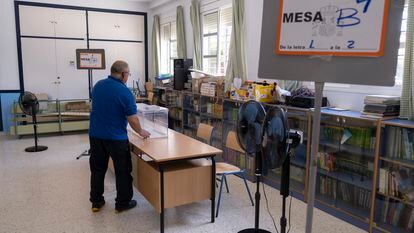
266	135
30	106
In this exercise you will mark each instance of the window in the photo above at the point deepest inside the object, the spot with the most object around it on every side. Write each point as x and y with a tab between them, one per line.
168	47
401	51
217	27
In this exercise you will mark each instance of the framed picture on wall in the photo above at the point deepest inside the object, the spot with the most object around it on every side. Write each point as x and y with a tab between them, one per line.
90	59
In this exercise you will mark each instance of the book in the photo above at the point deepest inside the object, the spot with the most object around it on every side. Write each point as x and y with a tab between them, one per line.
381	108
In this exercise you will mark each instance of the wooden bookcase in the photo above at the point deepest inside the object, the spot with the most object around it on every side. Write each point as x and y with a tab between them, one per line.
352	158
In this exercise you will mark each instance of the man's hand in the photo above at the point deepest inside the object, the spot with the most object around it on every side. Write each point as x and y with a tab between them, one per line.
143	133
136	126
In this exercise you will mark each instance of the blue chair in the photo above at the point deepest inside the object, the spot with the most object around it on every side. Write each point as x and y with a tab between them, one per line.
225	169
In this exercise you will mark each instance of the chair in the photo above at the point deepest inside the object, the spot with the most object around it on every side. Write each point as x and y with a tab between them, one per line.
224	169
205	133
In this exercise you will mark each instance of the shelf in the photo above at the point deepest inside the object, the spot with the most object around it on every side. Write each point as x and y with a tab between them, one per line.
191	110
397	199
402	162
174	118
190	127
347	178
348	148
211	116
399	123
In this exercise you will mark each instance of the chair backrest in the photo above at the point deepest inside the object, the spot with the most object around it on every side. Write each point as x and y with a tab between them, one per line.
150	97
233	144
205	132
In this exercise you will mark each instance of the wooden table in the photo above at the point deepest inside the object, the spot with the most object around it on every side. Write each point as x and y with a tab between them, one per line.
176	165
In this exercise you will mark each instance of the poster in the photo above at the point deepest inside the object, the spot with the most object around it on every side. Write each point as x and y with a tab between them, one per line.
332	27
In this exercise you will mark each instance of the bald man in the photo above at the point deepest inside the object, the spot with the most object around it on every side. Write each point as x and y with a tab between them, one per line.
113	105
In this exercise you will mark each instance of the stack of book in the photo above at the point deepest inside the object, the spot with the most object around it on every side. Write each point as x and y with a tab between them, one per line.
381	106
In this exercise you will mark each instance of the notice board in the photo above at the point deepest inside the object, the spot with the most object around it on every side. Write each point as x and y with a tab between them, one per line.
371	61
321	27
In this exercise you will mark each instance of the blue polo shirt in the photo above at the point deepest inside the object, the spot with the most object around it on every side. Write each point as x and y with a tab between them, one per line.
112	103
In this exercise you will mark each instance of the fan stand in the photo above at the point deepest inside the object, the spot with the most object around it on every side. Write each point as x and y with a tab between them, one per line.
35	148
284	191
258	175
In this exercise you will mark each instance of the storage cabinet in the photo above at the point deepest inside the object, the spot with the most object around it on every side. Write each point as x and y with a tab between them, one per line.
394	199
365	166
50	36
132	52
49	67
52	22
346	163
112	26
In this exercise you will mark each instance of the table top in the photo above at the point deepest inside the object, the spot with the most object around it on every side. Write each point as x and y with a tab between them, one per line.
176	146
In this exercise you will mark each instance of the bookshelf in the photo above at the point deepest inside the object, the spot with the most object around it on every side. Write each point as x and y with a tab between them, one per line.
354	154
346	163
394	190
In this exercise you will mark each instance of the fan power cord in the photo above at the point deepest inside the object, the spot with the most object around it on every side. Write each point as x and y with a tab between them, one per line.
270	214
267	207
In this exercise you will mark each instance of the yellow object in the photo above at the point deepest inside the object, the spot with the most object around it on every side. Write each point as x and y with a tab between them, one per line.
264	93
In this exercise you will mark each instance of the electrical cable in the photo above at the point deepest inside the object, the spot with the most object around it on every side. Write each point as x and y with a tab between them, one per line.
267	207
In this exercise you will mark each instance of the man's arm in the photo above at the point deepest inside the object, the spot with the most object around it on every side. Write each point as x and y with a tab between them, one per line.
136	126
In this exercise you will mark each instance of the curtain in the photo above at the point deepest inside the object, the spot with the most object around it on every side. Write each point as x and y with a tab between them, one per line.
156	46
407	103
196	24
290	85
181	42
237	61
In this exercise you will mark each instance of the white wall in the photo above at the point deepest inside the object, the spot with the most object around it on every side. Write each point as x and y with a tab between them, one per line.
9	70
9	73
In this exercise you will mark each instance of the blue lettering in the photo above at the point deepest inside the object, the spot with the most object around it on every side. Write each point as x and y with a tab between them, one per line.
366	4
347	20
311	45
351	44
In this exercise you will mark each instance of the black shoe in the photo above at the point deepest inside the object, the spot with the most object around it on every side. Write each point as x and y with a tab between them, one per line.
131	204
97	206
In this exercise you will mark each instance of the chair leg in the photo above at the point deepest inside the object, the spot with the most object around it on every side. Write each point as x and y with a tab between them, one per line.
247	188
225	181
219	197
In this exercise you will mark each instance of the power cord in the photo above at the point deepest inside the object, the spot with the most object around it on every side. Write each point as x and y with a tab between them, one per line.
267	207
270	214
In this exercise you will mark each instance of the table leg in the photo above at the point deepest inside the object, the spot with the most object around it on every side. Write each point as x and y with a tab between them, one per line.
213	188
162	199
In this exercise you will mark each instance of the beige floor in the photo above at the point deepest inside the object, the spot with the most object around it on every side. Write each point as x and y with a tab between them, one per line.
48	192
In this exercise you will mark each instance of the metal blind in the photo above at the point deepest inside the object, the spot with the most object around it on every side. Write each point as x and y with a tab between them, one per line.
210	23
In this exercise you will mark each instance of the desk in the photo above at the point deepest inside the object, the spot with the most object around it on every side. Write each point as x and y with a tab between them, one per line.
175	166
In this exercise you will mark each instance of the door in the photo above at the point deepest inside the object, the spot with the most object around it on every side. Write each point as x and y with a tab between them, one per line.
73	83
70	23
102	25
39	66
134	54
130	27
131	52
36	21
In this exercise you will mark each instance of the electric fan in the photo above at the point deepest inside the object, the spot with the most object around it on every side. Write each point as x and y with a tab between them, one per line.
250	118
30	106
268	137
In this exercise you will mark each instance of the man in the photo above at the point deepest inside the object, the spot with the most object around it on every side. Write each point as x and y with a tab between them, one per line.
113	105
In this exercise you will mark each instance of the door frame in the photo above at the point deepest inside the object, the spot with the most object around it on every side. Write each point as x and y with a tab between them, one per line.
68	7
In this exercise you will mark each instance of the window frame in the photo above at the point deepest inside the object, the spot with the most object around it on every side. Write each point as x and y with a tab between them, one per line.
170	65
214	10
216	34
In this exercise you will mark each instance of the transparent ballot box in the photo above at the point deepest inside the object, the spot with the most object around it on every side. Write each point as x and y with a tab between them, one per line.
154	119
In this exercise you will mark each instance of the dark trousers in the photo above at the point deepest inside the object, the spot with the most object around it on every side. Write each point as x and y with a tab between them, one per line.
119	151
